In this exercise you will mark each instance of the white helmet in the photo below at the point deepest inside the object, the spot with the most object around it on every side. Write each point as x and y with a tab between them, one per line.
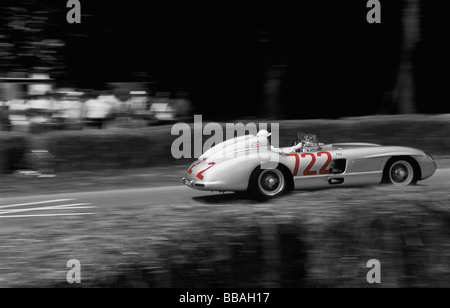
264	133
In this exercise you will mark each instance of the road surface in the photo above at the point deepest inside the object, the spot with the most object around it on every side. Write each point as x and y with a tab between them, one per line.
24	211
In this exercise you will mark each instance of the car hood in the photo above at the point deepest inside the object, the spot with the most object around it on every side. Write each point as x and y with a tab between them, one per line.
354	145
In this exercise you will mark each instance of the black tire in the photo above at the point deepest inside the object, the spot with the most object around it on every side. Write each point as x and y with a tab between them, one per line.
267	183
401	171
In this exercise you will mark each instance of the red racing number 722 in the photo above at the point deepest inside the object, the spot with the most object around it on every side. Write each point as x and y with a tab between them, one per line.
308	171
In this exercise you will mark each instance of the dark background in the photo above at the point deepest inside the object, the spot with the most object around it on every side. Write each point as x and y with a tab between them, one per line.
328	62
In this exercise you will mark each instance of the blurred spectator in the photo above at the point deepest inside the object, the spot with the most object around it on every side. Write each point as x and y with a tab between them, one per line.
18	110
124	104
58	107
182	106
97	111
40	109
160	108
139	104
5	124
73	109
111	100
69	110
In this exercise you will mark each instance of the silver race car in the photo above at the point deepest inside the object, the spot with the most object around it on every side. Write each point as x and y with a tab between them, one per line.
250	163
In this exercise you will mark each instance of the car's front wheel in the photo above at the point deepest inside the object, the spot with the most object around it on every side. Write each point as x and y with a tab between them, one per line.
267	183
401	172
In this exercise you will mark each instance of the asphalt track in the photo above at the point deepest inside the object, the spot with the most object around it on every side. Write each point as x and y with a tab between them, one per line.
25	211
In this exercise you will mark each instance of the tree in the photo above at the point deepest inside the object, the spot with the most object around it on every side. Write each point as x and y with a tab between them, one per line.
405	89
274	69
29	39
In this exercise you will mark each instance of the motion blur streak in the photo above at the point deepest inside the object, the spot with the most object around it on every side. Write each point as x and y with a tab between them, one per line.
86	115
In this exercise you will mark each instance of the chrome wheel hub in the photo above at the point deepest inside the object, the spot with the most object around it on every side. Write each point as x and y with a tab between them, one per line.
271	182
401	173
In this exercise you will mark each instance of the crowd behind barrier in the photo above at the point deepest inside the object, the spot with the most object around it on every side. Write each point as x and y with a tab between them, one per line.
75	110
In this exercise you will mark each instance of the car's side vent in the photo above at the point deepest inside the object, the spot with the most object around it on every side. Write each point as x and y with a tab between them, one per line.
335	181
338	166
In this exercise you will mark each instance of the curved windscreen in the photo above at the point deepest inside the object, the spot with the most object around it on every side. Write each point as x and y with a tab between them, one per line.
308	139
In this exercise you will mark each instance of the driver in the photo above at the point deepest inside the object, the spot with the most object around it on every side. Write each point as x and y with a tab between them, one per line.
288	150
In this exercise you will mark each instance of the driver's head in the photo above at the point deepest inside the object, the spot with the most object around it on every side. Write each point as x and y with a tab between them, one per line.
263	133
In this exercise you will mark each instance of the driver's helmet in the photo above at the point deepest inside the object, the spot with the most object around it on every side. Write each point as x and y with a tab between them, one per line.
263	133
263	139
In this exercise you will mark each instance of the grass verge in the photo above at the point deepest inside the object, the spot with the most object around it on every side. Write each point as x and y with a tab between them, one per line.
304	239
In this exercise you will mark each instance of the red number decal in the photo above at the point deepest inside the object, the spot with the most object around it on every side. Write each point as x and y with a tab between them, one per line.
190	170
297	163
200	176
313	161
323	170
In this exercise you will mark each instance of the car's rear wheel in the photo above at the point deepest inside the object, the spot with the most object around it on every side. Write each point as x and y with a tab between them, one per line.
401	172
267	183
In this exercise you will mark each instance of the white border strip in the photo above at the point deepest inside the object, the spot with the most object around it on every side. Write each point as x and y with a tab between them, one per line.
47	215
35	203
57	207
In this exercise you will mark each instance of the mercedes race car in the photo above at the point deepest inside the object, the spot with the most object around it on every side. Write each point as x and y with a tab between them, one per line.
249	163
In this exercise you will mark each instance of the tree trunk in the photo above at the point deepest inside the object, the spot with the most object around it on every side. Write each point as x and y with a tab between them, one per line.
273	59
272	92
405	96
